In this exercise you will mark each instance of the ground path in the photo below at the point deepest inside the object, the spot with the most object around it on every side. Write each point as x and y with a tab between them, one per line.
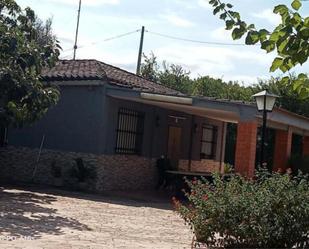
48	218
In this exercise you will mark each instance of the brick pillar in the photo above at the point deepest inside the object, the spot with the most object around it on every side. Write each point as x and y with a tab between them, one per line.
306	146
246	148
283	146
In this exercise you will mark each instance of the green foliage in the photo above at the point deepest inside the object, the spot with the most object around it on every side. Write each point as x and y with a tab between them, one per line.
83	172
289	98
176	77
56	169
171	75
210	87
269	212
298	162
289	39
150	67
228	168
24	52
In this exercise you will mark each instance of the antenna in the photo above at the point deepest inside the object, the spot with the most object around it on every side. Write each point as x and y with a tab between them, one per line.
77	26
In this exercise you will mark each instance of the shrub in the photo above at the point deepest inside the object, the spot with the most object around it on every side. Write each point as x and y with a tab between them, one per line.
228	168
269	212
299	162
56	170
82	172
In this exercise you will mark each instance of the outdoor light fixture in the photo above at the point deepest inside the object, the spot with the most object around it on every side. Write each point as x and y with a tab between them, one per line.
177	118
265	102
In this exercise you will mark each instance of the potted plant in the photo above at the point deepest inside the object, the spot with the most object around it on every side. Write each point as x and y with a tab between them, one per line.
83	173
57	174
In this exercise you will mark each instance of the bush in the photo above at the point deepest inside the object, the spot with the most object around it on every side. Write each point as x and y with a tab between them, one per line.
270	212
83	172
56	170
299	162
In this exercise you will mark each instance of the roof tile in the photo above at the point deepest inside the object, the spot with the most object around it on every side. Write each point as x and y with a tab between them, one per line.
68	70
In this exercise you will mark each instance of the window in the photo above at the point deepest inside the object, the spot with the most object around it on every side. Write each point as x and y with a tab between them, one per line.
129	131
209	141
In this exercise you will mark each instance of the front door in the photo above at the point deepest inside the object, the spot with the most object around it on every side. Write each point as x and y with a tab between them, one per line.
174	145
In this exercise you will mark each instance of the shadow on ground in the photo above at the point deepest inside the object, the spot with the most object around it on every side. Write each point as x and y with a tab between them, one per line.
28	214
153	199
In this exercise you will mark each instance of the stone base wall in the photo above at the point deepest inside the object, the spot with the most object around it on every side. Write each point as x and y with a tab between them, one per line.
203	165
113	172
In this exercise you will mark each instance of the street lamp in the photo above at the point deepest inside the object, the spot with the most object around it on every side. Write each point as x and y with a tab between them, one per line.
265	102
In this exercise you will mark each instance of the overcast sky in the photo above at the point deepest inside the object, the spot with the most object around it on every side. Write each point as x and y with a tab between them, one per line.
190	19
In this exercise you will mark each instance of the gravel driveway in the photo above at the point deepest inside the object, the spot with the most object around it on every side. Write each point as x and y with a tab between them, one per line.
49	218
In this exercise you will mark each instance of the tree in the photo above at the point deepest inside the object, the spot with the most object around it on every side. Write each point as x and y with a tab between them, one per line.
150	67
44	32
210	87
24	52
289	99
176	77
171	75
289	39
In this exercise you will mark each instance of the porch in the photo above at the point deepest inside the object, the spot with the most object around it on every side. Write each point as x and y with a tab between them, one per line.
191	131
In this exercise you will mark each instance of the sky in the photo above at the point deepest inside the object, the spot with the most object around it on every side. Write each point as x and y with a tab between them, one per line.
188	19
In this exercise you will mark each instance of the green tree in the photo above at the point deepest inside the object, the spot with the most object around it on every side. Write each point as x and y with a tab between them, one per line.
44	32
289	39
150	67
24	52
210	87
289	99
170	75
176	77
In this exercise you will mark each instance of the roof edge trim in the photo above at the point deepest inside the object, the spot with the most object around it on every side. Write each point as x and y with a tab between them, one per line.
166	98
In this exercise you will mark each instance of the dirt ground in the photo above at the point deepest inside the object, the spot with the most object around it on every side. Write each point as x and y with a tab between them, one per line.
48	218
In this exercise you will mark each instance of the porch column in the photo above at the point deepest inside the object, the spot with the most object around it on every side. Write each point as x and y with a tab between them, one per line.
306	146
283	146
246	148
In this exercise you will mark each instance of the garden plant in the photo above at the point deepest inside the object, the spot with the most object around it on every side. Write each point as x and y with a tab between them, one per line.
271	211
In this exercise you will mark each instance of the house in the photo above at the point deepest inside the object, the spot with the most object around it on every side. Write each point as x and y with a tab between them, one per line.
121	123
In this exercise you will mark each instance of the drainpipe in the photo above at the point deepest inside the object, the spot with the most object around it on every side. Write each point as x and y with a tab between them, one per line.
191	141
223	131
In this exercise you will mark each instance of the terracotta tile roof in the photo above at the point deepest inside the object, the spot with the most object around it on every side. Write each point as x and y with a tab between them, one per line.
71	70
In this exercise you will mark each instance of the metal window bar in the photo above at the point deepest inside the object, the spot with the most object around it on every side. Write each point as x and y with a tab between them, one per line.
212	142
129	131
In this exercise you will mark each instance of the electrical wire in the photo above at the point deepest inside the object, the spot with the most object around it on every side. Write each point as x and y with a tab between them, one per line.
105	40
195	41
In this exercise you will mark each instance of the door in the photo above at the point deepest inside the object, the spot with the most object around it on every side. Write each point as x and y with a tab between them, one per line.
174	145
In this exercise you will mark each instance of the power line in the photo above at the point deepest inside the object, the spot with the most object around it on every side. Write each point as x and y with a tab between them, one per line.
195	41
105	40
157	34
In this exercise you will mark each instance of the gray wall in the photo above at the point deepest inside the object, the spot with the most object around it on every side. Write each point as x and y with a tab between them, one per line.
156	135
74	124
85	120
112	107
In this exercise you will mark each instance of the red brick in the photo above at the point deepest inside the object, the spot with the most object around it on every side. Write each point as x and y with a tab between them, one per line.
246	148
283	145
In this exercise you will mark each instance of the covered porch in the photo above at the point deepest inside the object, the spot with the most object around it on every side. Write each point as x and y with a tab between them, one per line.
199	124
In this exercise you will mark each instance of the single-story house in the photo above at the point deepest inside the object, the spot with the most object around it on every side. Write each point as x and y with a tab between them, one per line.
121	123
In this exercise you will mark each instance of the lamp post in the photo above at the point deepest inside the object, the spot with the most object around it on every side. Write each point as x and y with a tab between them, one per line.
265	102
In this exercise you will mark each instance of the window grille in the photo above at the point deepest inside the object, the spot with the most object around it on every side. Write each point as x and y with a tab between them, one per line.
209	141
130	130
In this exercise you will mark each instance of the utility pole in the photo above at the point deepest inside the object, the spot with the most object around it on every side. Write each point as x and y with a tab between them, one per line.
140	52
77	27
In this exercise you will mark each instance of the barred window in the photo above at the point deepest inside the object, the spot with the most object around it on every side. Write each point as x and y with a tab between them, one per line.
209	141
129	131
